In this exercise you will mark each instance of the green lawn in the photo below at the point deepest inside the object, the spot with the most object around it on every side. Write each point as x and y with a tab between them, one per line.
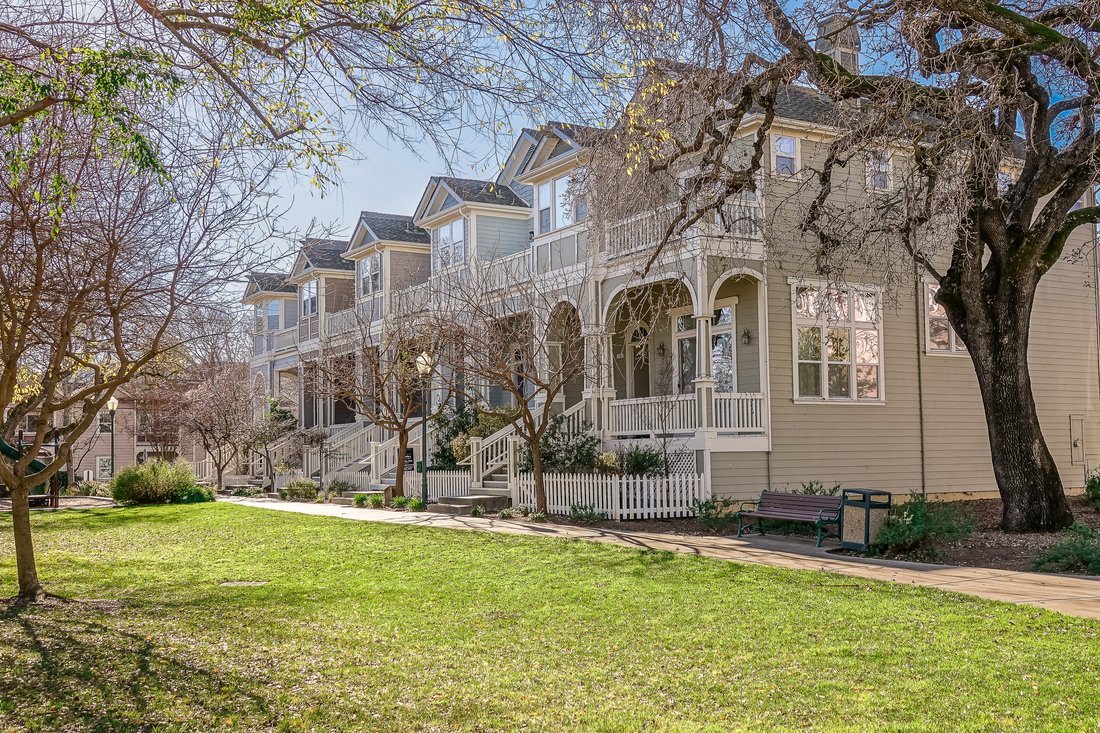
376	627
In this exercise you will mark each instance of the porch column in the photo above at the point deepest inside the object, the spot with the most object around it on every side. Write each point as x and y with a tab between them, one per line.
599	385
704	382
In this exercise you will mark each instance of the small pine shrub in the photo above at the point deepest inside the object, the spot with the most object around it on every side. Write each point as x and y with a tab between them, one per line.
917	526
477	511
360	500
1078	552
400	502
505	513
715	514
537	517
415	504
586	514
1092	488
158	482
375	501
639	460
299	490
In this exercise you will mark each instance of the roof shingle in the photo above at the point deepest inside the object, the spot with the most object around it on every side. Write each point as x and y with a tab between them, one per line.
325	254
394	227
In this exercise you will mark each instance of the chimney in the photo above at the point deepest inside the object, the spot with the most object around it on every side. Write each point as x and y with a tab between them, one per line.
838	38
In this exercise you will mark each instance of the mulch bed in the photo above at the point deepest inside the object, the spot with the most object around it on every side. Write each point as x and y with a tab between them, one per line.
989	547
69	502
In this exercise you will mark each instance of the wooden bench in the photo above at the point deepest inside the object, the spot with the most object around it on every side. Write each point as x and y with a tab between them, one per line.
820	511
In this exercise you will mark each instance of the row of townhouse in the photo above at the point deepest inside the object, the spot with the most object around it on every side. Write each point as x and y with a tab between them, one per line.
763	376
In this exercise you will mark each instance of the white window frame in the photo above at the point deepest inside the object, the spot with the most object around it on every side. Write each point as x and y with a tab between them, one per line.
955	345
104	419
309	299
274	311
692	333
824	323
370	274
872	162
444	252
797	155
561	215
103	469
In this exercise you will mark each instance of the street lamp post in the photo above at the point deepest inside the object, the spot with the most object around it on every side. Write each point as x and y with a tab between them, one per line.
112	405
424	367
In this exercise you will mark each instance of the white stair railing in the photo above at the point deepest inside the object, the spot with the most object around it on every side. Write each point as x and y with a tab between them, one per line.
384	456
489	455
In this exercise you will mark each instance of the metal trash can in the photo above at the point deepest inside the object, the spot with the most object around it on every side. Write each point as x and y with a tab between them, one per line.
862	514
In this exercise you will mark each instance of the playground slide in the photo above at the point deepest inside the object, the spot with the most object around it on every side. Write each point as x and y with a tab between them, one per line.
10	451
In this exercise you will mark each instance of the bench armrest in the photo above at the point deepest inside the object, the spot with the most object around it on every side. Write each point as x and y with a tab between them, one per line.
753	503
825	514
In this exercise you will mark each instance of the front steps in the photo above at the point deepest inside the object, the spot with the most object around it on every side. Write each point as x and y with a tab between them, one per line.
461	505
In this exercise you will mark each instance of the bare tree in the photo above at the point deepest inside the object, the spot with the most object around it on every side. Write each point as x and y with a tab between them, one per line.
517	339
372	366
218	411
986	117
103	269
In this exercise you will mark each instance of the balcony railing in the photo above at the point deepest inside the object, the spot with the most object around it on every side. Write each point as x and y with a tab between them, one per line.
739	219
286	339
740	412
356	318
743	413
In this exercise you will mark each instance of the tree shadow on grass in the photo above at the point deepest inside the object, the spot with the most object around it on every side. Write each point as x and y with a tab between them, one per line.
73	665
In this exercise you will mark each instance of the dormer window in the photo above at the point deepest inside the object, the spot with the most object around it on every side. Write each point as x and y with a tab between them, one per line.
785	155
309	298
449	244
370	274
266	315
557	207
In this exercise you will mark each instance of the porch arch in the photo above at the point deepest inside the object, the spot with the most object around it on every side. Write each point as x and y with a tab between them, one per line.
626	287
728	275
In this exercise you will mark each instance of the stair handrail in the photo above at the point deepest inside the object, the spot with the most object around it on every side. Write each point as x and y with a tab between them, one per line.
383	456
492	452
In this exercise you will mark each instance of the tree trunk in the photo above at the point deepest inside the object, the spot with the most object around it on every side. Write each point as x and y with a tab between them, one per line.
26	569
1027	476
536	474
399	471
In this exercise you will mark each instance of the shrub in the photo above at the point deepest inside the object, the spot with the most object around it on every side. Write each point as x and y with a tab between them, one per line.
816	488
449	424
1092	488
505	513
89	488
339	486
299	490
715	514
247	490
460	448
477	511
585	514
360	500
640	460
607	462
562	452
416	504
1078	552
158	482
523	510
538	517
917	526
400	502
376	501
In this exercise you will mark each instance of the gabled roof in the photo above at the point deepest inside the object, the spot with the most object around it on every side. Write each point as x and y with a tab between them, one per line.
325	254
270	282
445	192
393	228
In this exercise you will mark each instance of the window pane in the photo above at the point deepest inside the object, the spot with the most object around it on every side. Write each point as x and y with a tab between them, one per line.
562	215
544	195
685	323
837	305
806	303
938	335
866	346
784	146
867	382
544	221
809	380
724	316
809	343
722	366
865	304
784	166
935	310
839	384
839	346
687	364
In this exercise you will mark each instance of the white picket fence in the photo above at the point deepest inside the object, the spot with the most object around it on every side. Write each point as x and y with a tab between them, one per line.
620	497
359	480
441	484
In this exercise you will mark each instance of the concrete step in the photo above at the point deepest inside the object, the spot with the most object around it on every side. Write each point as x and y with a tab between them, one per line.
342	501
463	504
495	491
272	495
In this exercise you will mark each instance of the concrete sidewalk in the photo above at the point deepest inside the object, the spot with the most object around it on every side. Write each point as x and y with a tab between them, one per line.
1073	595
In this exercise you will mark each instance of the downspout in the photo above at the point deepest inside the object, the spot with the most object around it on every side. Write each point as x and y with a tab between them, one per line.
919	319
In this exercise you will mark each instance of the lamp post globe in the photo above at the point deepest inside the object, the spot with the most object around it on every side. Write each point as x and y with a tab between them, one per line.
112	406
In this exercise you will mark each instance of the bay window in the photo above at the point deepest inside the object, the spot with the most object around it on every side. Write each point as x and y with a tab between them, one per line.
940	337
838	335
370	274
449	244
309	298
557	208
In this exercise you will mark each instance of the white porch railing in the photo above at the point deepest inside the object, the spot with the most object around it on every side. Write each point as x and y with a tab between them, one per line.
355	445
489	455
620	497
740	412
741	219
503	273
665	415
638	232
286	339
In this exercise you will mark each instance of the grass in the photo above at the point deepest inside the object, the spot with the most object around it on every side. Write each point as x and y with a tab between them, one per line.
364	627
